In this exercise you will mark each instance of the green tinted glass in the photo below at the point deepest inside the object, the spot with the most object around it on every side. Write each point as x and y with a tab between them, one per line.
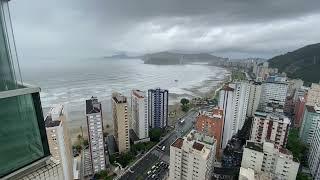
20	137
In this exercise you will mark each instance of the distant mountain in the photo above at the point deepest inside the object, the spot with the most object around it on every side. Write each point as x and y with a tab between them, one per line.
121	56
303	63
168	58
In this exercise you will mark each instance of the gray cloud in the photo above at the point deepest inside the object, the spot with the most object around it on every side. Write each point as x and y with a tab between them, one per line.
82	28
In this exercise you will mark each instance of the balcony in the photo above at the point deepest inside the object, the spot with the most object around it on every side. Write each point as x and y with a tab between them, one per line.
23	127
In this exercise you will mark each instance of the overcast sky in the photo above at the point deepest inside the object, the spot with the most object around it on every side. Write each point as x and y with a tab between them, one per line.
230	28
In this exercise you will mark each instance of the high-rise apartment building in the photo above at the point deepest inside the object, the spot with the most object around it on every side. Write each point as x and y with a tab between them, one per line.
158	107
233	100
313	96
121	121
139	114
300	92
59	140
298	111
293	85
314	154
273	91
211	124
192	157
24	145
270	127
95	134
311	119
254	98
267	158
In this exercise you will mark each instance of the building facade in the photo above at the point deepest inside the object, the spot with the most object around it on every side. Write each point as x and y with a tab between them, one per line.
266	158
270	127
300	92
313	96
139	114
192	157
23	136
311	119
211	124
273	91
59	140
121	122
254	98
158	100
314	154
298	111
233	99
95	134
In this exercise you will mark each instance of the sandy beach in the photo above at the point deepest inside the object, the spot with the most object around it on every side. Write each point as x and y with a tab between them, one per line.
207	89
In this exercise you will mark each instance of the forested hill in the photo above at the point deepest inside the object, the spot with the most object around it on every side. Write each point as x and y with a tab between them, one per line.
302	63
166	58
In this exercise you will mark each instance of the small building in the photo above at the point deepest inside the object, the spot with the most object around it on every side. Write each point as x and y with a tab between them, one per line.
267	158
192	157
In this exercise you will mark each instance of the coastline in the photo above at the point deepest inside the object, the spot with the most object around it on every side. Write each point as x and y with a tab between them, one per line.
211	93
207	89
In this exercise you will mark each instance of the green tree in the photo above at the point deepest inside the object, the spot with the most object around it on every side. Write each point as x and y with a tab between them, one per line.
185	108
296	146
125	158
155	134
85	142
302	176
184	101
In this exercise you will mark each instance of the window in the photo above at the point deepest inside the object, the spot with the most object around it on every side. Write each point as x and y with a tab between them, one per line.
23	141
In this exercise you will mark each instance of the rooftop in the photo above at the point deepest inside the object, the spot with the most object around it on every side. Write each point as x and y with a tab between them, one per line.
313	109
216	114
227	88
138	93
158	89
119	98
285	151
254	146
93	106
177	143
50	123
197	146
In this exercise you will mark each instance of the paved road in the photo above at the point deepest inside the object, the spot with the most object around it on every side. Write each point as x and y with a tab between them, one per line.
139	171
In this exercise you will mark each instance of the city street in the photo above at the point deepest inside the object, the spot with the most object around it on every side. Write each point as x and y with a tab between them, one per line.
157	155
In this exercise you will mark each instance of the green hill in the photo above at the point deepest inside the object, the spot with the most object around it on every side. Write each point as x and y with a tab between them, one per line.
303	63
166	58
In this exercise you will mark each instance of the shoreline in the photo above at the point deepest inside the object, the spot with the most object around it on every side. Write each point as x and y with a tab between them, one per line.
211	87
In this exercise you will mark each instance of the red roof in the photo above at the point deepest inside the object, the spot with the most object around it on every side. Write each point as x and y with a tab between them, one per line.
178	143
227	88
197	146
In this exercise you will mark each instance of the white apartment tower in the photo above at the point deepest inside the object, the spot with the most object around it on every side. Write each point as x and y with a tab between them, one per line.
270	127
254	98
192	157
266	158
59	140
95	134
273	92
139	113
234	101
121	121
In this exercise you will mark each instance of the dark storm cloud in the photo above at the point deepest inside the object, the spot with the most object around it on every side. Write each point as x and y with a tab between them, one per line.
85	28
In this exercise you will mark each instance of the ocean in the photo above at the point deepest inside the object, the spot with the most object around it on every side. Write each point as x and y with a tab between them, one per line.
71	81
